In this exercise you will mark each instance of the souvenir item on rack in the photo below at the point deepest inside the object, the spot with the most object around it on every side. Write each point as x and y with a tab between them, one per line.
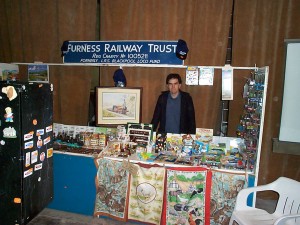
145	156
249	126
204	135
121	131
188	142
160	144
203	138
184	159
174	143
166	157
200	147
140	133
81	139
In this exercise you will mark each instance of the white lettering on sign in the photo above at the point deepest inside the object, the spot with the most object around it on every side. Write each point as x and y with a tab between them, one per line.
136	55
123	61
127	52
110	56
122	48
162	48
89	60
96	56
84	48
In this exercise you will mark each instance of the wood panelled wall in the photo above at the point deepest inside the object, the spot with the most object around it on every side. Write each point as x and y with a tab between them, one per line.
259	30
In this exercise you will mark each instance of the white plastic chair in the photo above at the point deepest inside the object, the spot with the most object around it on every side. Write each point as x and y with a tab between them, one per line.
287	210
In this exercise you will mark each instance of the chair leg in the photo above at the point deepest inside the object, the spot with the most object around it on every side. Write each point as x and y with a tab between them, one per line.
231	220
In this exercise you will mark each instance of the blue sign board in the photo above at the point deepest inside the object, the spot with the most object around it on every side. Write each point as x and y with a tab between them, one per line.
121	52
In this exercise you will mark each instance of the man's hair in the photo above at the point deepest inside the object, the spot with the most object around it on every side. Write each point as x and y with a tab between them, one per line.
173	76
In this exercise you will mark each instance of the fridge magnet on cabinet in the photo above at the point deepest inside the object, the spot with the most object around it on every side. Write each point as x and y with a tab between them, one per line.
49	129
38	73
8	115
34	122
9	132
28	136
38	166
17	200
47	140
28	144
28	172
42	156
39	142
27	159
40	132
10	92
34	156
49	152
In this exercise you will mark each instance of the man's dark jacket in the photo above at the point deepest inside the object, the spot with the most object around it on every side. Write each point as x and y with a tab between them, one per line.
187	113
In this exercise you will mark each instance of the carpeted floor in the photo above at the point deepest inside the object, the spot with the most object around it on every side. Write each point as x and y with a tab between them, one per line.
55	217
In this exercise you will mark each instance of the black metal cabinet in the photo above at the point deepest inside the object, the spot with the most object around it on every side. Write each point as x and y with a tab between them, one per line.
26	150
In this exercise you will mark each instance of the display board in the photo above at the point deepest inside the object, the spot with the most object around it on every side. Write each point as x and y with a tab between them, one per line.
290	123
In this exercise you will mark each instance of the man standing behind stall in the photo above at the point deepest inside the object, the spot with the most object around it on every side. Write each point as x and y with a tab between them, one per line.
174	111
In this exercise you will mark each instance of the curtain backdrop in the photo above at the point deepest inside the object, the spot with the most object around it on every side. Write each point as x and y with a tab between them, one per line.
204	25
260	28
34	31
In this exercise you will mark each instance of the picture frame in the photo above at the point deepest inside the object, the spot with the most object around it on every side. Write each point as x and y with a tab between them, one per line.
118	105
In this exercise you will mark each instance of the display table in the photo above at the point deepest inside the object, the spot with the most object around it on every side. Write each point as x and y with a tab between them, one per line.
75	187
74	183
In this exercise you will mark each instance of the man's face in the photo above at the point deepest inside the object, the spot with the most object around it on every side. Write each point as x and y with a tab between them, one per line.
174	86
